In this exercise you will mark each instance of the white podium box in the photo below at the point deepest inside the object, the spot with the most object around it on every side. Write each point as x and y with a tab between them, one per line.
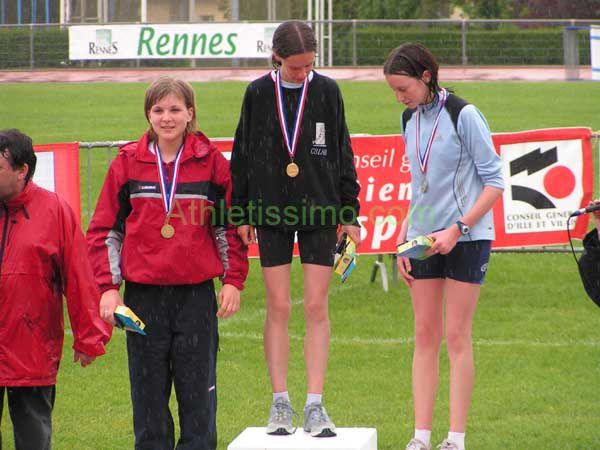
254	438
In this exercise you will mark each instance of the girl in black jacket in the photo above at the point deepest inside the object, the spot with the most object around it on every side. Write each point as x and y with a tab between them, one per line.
293	172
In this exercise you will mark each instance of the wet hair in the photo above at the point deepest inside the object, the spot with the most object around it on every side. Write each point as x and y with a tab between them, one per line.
292	38
412	60
161	88
17	148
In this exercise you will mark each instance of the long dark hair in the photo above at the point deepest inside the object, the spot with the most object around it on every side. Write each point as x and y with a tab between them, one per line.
412	60
292	38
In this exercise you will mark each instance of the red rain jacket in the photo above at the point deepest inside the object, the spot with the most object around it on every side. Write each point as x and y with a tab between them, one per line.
43	255
124	236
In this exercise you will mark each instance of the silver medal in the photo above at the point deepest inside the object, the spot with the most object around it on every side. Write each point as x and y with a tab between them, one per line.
424	185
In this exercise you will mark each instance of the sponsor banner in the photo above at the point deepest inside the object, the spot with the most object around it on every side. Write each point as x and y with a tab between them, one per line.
547	174
57	169
148	41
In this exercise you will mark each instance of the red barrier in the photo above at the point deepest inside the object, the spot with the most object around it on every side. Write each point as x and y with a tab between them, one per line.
57	170
535	205
547	174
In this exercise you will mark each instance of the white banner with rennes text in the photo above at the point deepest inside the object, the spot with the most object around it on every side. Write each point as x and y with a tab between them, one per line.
149	41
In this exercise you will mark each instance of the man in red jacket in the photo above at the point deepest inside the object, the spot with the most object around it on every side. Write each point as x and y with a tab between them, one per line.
43	255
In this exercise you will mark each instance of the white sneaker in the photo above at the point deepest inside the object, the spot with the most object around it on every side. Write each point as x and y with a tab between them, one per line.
280	418
317	422
447	445
416	444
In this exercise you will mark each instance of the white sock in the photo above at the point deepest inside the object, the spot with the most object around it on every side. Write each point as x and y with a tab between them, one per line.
284	395
458	439
313	398
423	435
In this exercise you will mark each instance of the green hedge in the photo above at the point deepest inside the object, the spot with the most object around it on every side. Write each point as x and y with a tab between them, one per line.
485	46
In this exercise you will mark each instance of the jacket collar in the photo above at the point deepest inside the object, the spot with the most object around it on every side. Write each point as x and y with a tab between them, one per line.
23	198
196	145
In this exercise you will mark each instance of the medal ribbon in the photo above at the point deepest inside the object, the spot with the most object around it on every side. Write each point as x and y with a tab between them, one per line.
167	192
424	158
290	141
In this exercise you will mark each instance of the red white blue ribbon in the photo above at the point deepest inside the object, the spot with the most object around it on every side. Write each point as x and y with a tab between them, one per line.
167	192
290	141
424	157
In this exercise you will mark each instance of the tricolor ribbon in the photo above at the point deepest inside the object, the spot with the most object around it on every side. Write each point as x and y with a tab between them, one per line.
167	192
424	157
290	141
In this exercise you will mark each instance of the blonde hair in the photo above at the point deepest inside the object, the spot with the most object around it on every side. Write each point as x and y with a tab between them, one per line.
163	87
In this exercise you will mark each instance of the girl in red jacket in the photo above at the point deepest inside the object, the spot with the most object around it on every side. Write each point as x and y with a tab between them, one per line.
160	225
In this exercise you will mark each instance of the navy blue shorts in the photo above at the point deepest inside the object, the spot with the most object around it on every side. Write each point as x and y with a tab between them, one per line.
276	246
468	262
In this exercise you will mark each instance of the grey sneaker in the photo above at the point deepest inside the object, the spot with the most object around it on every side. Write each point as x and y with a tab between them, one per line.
417	444
447	445
280	418
317	422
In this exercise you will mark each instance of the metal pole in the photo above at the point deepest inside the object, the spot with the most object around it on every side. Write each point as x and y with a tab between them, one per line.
144	11
192	10
235	16
47	11
464	42
309	10
33	11
330	33
354	58
322	31
235	10
67	11
31	54
2	15
19	12
318	31
100	10
271	10
89	184
191	19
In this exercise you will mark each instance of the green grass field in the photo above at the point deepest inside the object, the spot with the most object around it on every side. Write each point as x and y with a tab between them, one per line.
537	338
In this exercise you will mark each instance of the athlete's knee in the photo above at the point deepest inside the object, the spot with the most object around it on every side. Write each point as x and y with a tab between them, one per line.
458	341
279	308
427	336
316	311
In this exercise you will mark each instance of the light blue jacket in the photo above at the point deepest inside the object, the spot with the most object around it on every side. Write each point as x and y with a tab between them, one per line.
460	165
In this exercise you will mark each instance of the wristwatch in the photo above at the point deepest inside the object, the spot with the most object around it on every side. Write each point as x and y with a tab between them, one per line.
462	227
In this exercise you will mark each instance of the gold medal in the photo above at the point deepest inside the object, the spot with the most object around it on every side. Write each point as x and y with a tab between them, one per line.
167	231
292	170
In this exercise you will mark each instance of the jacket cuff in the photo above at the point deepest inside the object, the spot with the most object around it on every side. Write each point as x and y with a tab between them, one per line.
89	350
107	287
348	215
234	282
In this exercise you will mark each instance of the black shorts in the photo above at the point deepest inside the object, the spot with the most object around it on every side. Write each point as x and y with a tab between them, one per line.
467	262
276	246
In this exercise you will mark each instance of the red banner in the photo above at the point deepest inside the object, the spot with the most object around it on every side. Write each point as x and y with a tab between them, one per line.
57	170
547	175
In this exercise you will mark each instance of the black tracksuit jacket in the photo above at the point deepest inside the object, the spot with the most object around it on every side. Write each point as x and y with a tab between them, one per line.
325	193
